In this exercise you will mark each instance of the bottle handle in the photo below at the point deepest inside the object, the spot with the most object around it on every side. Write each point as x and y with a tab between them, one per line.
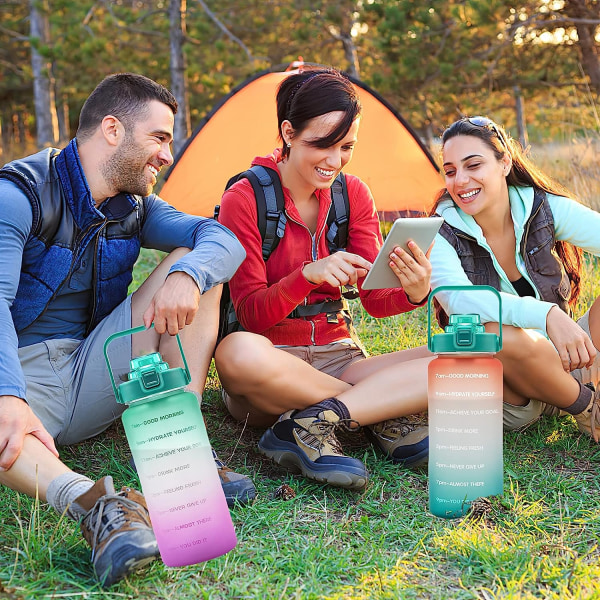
132	331
481	288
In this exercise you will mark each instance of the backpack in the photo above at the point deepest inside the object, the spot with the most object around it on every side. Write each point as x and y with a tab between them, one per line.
271	224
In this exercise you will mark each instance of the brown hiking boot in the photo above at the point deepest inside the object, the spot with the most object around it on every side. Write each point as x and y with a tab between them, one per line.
305	442
117	527
589	420
404	440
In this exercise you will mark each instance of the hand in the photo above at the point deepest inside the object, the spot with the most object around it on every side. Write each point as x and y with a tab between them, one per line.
574	346
16	421
413	271
174	305
340	268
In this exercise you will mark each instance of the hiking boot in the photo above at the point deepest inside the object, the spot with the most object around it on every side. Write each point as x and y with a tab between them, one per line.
589	420
237	487
307	444
404	440
117	527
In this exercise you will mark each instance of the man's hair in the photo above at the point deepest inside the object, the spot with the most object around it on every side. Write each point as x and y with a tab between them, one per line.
125	96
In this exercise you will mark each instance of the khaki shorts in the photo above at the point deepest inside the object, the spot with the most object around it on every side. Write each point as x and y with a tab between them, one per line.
68	385
331	359
516	417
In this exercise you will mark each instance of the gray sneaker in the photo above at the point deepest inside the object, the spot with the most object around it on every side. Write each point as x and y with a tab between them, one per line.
117	527
404	440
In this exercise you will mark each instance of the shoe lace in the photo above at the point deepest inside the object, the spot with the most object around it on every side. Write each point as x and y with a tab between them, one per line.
324	432
108	515
221	466
400	426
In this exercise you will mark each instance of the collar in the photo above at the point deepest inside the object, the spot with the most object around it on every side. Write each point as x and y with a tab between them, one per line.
79	196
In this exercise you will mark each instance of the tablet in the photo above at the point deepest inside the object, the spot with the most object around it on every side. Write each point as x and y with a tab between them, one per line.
421	230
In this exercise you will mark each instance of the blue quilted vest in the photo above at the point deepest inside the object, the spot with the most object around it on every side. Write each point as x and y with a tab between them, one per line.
65	222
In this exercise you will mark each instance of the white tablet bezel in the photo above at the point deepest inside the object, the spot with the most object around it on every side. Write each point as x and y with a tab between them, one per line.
421	230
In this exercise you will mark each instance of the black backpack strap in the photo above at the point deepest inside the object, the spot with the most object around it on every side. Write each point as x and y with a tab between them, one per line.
337	222
337	219
269	206
271	219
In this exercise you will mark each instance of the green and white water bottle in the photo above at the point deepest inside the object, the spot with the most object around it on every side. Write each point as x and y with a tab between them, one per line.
465	389
167	436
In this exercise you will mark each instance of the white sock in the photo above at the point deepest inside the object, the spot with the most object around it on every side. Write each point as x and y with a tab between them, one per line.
64	490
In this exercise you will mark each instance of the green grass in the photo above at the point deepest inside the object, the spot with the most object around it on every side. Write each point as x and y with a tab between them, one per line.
540	539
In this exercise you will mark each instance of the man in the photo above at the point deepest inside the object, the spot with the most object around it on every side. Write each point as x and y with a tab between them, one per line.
71	226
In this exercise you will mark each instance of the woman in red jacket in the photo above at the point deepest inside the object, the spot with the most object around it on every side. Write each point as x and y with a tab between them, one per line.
309	373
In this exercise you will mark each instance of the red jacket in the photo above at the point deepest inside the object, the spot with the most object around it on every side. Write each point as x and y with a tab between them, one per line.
265	293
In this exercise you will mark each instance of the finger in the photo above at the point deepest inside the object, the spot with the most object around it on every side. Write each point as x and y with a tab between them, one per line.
182	320
148	316
11	452
46	439
354	259
565	359
591	351
160	324
172	324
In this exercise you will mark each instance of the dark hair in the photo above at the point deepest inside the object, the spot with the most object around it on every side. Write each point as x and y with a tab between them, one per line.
522	173
125	96
312	93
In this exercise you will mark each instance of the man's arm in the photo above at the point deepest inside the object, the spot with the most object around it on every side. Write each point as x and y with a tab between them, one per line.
216	253
16	417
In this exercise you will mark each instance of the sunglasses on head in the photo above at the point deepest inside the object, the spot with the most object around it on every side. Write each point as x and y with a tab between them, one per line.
488	124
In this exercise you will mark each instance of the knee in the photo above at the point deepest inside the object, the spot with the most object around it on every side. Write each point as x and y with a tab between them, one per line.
242	354
522	345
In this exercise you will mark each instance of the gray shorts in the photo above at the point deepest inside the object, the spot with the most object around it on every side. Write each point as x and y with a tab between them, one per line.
68	385
516	417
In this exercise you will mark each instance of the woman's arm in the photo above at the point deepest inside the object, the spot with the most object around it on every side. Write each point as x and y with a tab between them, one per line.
364	239
524	312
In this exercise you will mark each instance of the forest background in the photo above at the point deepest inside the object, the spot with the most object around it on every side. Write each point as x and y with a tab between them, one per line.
533	65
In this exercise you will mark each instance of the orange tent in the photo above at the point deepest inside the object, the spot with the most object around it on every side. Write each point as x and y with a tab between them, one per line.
389	157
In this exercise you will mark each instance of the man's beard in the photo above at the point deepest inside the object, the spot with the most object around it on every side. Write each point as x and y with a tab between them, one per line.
126	170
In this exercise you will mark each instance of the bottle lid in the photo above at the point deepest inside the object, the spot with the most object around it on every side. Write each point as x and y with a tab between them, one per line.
465	333
149	376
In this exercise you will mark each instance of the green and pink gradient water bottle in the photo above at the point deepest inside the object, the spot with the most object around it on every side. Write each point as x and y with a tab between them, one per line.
465	411
167	436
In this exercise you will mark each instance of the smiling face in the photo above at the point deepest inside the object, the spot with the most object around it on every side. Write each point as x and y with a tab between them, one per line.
475	177
314	167
145	148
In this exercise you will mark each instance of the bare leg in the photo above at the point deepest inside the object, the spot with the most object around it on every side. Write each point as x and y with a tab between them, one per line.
198	338
594	321
33	470
264	382
532	369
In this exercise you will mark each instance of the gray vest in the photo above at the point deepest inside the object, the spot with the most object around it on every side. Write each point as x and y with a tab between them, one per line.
537	248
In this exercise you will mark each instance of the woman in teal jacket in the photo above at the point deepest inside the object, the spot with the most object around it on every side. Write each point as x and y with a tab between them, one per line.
509	225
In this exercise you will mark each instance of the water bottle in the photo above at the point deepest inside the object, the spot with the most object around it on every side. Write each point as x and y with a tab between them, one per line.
167	436
464	391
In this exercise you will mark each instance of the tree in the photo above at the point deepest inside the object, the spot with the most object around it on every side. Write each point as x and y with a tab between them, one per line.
570	23
182	129
43	83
